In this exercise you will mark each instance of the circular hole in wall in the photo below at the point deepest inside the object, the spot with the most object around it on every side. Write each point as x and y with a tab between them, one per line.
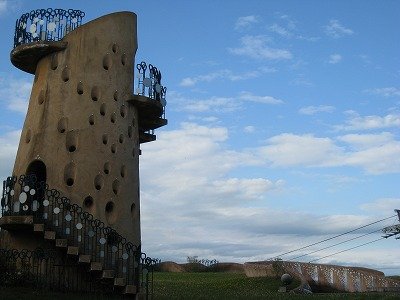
79	88
28	136
123	171
133	208
107	61
121	138
95	93
123	111
113	117
113	148
109	207
106	168
116	95
91	120
111	215
98	182
69	174
65	74
116	186
71	141
41	97
115	48
88	202
54	61
62	125
130	130
123	59
103	109
105	139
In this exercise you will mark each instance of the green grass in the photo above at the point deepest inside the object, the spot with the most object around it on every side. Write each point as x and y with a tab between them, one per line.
191	286
18	293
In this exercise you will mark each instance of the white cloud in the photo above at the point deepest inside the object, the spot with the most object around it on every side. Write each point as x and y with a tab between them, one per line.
15	93
356	122
289	150
336	30
365	141
302	80
249	129
255	47
378	156
312	110
222	104
8	150
216	104
222	74
377	159
247	96
335	58
246	22
3	6
280	30
386	91
384	206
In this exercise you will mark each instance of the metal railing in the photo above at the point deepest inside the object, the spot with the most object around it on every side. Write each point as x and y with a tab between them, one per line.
46	25
25	196
149	84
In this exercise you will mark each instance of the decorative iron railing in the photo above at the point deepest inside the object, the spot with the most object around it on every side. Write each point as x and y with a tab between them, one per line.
45	269
149	83
25	196
46	25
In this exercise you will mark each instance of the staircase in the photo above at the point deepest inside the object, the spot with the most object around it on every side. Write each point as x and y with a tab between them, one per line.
83	254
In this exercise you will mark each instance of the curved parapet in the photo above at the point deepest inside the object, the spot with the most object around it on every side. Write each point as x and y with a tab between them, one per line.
341	278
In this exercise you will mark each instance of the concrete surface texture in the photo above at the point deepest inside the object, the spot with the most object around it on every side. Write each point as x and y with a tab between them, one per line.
80	133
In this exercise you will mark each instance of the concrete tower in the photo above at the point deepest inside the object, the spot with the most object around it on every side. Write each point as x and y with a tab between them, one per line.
82	132
81	137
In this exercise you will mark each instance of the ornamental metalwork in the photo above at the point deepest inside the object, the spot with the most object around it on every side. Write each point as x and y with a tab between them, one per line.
46	25
26	196
149	83
393	230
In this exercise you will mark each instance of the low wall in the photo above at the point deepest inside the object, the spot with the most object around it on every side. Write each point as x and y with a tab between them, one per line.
348	279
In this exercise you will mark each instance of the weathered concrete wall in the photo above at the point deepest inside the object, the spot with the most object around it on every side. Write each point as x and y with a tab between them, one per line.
349	279
80	125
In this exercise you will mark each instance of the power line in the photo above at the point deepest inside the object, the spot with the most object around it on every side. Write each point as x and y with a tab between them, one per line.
352	239
347	249
334	237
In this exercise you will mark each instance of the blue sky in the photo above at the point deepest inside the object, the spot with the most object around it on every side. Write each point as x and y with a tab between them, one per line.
283	124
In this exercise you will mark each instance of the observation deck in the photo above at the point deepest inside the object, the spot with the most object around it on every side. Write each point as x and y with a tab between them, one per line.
41	32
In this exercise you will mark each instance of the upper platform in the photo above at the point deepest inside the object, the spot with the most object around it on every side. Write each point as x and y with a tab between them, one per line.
39	33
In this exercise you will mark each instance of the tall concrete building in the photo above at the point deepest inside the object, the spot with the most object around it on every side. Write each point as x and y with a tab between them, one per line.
85	122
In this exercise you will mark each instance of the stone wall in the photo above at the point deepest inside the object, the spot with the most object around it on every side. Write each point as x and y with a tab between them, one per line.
348	279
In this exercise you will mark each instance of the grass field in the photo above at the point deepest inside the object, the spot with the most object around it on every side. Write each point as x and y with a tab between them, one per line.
207	285
203	285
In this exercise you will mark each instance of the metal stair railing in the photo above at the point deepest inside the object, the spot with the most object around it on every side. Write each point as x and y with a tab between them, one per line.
26	196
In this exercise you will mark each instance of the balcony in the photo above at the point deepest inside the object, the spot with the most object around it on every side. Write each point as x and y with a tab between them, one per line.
149	99
39	33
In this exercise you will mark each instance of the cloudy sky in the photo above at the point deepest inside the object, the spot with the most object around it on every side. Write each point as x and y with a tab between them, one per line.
283	126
